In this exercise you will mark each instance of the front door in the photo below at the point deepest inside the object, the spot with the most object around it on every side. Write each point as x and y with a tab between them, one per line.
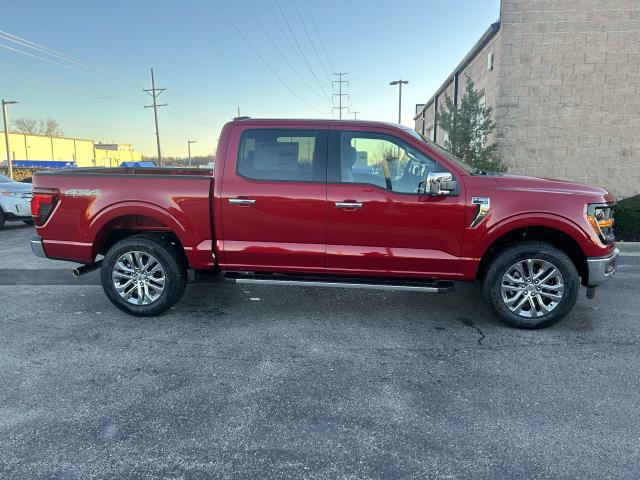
377	221
273	201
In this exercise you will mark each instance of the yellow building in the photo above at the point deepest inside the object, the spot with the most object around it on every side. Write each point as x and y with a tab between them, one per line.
85	153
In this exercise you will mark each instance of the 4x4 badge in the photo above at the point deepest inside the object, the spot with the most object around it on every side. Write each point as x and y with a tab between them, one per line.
77	192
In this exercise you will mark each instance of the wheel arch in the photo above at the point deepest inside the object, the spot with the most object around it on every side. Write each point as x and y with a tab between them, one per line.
557	231
117	223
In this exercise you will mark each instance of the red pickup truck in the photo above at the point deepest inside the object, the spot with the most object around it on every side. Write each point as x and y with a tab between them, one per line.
330	203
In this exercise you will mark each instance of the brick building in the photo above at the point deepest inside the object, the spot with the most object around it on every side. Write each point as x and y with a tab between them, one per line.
563	77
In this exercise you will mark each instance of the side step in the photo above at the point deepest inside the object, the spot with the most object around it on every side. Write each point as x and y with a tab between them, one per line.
339	282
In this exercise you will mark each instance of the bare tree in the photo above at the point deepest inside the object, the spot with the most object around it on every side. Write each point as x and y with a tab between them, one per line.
52	128
35	126
28	125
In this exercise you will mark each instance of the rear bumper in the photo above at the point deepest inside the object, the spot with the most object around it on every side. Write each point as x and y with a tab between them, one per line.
602	269
37	248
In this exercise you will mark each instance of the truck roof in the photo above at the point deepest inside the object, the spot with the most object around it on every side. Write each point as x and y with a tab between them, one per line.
319	121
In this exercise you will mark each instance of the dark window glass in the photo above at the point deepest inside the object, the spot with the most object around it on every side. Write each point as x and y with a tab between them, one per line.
383	160
289	155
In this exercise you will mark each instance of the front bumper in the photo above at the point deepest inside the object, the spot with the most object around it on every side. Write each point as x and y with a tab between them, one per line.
602	269
37	248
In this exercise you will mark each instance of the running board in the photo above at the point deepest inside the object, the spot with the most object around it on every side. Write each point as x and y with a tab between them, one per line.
339	282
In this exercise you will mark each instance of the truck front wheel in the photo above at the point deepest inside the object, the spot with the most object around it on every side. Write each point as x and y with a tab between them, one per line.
531	285
144	275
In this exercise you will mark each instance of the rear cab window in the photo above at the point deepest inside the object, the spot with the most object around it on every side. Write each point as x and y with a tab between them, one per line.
283	155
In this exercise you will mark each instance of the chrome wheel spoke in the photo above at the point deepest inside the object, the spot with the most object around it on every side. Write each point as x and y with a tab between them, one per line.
543	307
125	275
511	288
556	296
138	278
532	287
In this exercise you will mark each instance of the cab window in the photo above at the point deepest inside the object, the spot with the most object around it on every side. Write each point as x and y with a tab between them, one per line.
383	160
284	155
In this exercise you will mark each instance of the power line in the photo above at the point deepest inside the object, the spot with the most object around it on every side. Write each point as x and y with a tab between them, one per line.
181	114
300	49
282	55
96	69
74	64
262	59
65	88
155	92
311	42
339	82
70	67
315	27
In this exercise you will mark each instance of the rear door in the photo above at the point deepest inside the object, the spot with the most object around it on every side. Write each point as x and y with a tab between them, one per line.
377	221
273	200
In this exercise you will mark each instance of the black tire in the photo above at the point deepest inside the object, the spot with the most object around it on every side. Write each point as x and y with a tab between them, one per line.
2	219
167	255
534	250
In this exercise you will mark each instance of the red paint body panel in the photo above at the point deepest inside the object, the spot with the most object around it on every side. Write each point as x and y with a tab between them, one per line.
285	230
295	226
79	225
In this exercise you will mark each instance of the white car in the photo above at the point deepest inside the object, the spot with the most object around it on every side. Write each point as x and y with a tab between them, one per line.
15	201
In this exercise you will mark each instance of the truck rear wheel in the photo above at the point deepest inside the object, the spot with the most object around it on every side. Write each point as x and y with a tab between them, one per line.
144	275
531	285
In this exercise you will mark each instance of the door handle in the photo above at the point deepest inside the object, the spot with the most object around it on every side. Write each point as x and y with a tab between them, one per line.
241	201
348	205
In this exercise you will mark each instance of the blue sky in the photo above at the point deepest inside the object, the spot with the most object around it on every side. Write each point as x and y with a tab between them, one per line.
209	68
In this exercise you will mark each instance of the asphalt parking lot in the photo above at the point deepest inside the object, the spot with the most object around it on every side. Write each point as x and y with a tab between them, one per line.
280	382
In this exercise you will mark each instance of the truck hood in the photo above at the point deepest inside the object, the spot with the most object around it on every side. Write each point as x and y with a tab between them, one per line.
522	182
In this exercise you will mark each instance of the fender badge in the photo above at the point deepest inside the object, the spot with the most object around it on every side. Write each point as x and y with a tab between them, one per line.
484	206
77	192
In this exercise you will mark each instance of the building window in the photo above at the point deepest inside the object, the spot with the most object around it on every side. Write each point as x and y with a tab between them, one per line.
429	133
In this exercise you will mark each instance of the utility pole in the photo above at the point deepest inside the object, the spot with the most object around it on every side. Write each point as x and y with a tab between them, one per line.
399	83
155	93
6	134
238	112
189	142
340	81
355	115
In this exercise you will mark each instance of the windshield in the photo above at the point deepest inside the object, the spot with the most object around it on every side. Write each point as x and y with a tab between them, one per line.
4	179
467	168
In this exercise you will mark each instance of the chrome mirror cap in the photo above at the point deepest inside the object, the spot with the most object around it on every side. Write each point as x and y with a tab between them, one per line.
440	183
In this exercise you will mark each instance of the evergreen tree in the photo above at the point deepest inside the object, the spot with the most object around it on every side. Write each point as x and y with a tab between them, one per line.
468	128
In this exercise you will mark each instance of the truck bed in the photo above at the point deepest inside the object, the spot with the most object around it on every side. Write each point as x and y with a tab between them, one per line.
93	203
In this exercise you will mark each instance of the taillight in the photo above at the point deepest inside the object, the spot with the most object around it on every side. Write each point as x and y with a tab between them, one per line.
42	204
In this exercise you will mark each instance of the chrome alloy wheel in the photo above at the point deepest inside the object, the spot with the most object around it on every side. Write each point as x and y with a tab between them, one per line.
532	288
138	278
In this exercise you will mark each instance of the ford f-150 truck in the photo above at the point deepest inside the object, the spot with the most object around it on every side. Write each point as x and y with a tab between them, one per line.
330	203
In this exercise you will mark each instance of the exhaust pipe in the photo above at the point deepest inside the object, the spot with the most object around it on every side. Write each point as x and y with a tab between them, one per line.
89	267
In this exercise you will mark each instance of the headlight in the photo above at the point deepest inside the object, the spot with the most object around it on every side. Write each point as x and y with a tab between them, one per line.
6	193
600	217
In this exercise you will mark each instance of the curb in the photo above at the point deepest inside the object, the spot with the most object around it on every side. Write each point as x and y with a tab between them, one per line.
628	247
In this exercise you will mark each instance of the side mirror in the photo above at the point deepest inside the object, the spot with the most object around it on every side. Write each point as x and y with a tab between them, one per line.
440	183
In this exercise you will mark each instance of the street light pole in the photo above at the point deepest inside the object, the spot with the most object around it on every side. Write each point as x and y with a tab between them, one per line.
189	142
399	83
6	134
